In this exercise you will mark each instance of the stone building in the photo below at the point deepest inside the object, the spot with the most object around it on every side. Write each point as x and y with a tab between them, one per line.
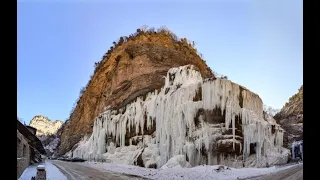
29	147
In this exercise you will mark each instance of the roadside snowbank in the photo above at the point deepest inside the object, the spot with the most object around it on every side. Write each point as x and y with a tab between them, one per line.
53	173
198	172
177	162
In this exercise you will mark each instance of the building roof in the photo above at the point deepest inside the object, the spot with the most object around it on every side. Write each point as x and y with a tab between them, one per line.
32	129
35	142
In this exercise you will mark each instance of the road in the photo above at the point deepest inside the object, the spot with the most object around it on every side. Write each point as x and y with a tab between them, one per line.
76	171
292	173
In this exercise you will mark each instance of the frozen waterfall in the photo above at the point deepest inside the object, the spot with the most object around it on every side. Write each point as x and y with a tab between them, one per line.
180	112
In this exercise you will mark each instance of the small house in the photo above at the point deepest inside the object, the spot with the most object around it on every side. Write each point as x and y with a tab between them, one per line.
29	147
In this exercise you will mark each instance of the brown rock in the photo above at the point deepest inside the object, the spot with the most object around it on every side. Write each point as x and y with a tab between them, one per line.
291	119
130	69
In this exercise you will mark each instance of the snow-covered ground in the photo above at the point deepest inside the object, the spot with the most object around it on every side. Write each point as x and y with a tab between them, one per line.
53	173
198	172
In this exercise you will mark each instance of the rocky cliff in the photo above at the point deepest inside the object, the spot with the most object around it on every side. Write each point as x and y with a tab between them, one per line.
45	126
206	120
133	67
291	118
153	99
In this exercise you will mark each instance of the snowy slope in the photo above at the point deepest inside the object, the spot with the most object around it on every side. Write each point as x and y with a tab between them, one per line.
182	130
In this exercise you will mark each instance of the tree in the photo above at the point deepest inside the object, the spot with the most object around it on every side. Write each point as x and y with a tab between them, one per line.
82	90
152	30
121	40
144	28
269	110
174	37
96	64
125	38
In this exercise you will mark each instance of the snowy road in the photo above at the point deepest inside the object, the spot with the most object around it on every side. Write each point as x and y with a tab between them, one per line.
76	171
101	171
293	173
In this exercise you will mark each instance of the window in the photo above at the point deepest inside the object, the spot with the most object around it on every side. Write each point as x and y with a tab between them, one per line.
24	150
18	142
18	146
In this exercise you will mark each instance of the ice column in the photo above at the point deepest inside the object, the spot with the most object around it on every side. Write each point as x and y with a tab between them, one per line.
292	150
301	151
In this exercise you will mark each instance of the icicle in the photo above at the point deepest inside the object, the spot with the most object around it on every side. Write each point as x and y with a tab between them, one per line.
293	155
233	131
174	110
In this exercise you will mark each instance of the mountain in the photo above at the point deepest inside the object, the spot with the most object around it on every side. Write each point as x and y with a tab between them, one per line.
291	118
153	100
47	132
44	125
134	66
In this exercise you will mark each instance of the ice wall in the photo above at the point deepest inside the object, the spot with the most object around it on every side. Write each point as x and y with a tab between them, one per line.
174	110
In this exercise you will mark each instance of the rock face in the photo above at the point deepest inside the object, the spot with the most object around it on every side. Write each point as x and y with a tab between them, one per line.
44	126
50	143
206	121
47	132
291	119
135	66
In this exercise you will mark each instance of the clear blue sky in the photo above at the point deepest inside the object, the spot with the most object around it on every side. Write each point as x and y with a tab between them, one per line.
256	43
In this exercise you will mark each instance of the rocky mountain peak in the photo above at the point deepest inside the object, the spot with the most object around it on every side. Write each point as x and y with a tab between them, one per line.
134	66
293	108
44	125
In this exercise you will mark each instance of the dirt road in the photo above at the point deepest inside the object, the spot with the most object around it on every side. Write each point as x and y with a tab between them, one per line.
293	173
76	171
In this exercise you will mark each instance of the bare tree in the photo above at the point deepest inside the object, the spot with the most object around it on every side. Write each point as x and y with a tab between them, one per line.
152	30
269	110
224	77
144	28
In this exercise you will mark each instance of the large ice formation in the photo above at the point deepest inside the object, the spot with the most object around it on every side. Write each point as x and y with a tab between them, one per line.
211	121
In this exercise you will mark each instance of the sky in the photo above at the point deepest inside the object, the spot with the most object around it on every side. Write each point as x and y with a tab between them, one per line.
257	44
